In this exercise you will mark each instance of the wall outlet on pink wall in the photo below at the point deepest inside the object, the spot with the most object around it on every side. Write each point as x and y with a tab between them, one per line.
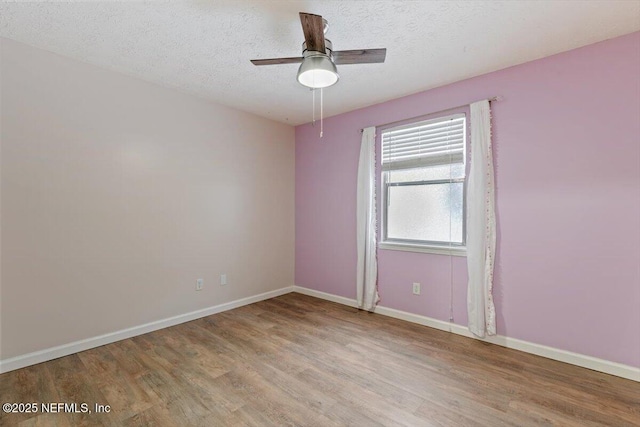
416	288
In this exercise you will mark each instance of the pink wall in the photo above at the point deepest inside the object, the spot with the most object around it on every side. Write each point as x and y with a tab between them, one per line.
567	153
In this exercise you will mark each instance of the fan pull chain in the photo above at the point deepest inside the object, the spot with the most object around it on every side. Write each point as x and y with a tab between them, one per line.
313	122
313	91
321	111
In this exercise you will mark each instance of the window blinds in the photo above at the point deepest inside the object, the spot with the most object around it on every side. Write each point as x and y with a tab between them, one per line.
428	143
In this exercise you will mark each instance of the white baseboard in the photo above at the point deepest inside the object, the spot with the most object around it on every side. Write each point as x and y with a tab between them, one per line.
325	296
86	344
601	365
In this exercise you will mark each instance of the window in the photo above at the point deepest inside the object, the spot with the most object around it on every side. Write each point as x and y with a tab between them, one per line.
423	176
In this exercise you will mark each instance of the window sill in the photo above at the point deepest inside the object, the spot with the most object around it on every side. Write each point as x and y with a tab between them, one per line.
439	250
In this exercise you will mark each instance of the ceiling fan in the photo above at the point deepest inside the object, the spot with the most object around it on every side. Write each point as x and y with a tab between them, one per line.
319	60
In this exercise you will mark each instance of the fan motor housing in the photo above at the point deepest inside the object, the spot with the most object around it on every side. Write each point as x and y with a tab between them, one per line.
328	47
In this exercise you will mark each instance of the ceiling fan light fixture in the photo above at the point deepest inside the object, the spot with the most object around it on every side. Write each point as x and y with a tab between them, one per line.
317	71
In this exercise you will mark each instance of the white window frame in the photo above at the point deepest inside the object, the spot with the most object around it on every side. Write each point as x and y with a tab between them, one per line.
443	248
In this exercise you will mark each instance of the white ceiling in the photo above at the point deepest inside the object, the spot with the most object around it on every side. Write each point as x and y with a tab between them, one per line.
204	48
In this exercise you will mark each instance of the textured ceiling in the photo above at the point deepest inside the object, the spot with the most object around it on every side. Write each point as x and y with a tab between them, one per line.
204	48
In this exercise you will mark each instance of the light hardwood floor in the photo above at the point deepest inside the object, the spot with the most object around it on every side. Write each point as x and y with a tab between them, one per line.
298	360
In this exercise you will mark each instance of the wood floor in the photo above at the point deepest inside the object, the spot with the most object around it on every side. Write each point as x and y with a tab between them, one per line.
298	360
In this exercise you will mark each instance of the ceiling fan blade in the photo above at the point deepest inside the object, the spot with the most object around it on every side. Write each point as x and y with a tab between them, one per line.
276	61
313	29
359	56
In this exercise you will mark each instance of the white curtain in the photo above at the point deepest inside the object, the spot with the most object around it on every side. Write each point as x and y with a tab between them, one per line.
481	224
367	274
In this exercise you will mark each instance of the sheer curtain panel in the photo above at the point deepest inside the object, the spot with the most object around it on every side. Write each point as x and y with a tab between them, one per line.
481	224
366	223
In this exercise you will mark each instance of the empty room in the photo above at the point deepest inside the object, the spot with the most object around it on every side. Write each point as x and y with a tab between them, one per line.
320	213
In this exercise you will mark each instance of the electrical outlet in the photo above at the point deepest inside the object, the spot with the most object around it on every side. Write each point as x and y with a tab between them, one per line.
223	279
199	284
416	288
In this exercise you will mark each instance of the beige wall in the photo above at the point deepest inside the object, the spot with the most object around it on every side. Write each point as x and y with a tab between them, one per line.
118	194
